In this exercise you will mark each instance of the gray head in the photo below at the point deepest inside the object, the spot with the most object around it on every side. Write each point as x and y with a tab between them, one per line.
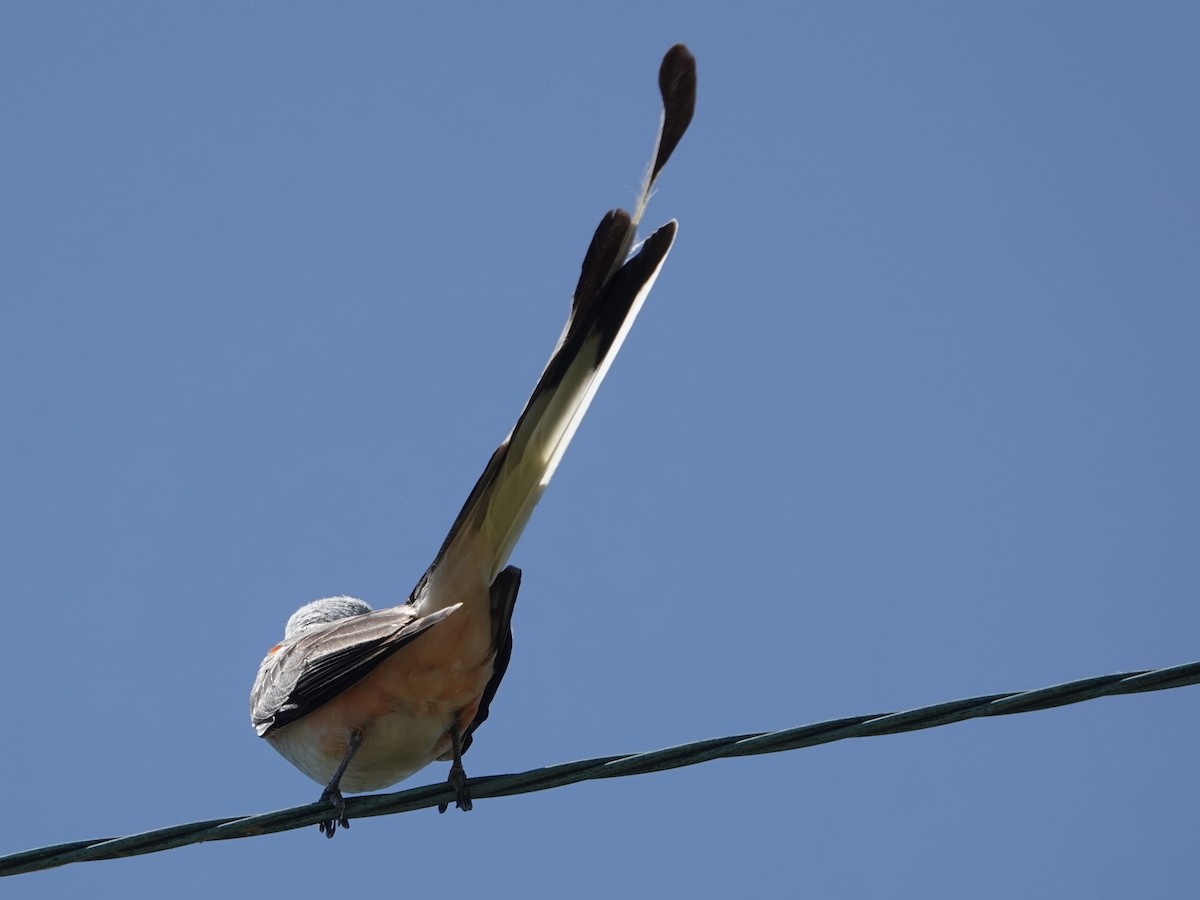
321	611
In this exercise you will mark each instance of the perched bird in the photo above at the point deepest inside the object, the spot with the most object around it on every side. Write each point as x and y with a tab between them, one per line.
359	699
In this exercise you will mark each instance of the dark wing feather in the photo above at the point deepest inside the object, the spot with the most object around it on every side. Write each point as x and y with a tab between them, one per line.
503	600
305	673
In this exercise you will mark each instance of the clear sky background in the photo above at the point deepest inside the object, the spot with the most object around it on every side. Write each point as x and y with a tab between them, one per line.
910	416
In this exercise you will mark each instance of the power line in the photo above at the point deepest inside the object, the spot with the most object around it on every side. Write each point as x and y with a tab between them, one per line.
608	767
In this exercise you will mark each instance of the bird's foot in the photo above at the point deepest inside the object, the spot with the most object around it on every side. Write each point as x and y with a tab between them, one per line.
334	796
462	796
333	791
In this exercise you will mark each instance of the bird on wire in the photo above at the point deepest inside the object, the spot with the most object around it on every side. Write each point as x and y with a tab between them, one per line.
359	699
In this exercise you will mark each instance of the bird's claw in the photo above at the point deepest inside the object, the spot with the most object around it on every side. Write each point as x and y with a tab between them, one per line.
462	796
329	826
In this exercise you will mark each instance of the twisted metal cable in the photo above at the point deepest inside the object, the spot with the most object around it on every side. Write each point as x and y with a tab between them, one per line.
608	767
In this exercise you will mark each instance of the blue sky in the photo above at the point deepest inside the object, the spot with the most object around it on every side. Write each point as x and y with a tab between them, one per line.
911	415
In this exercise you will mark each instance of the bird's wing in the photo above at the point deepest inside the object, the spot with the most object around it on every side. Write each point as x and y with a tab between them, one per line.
302	674
503	598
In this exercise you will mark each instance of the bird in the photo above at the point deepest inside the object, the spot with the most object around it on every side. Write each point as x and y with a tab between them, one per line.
359	698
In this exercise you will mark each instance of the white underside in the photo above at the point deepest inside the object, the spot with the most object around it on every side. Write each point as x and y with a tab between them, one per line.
394	746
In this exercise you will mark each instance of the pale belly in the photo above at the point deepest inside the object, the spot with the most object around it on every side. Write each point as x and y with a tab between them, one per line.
395	745
404	709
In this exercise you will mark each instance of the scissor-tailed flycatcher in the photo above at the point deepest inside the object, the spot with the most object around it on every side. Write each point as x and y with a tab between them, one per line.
358	699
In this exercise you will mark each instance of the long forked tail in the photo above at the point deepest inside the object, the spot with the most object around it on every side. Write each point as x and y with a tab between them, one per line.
612	287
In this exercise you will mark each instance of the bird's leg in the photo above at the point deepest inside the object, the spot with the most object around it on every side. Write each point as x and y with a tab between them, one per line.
333	793
458	775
